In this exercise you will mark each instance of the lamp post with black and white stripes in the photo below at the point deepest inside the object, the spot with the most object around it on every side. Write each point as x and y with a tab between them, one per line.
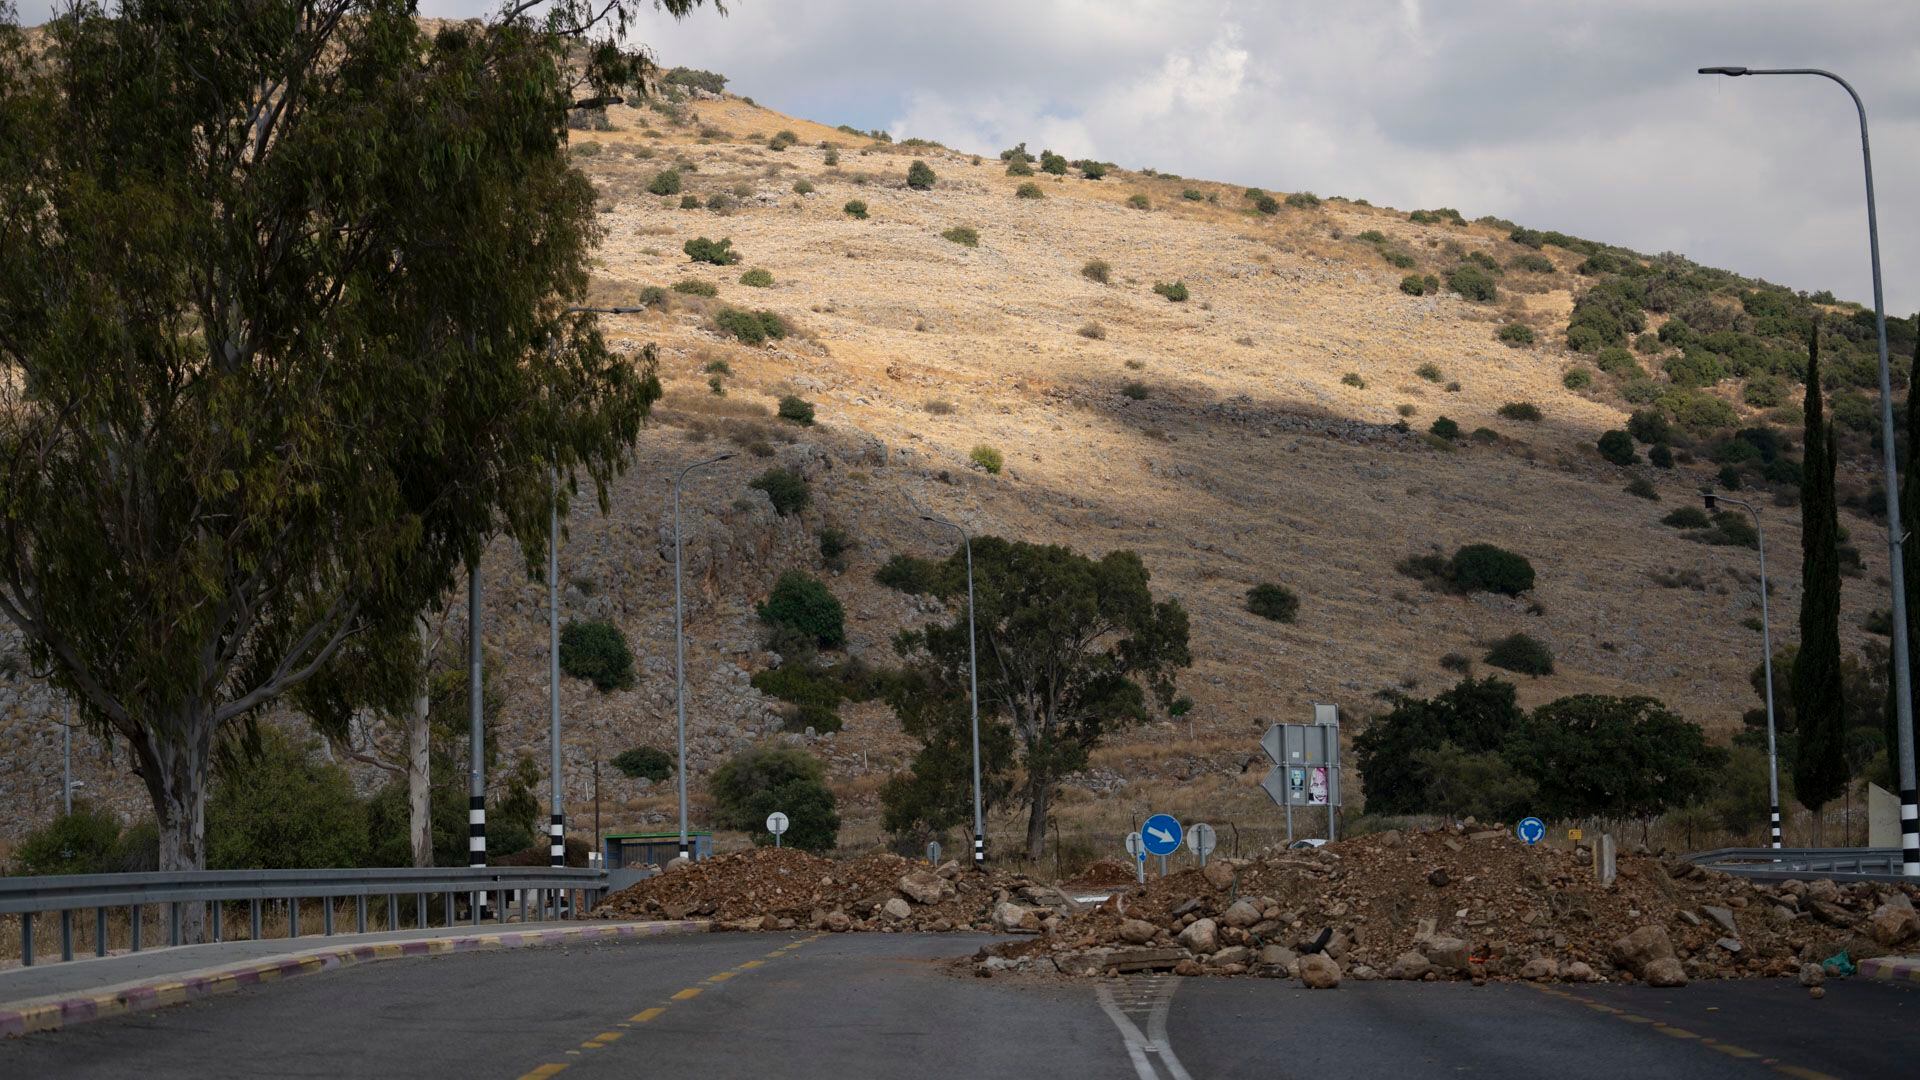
973	697
477	736
1766	644
1896	571
680	653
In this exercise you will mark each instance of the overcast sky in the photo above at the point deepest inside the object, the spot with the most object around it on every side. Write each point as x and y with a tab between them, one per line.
1585	117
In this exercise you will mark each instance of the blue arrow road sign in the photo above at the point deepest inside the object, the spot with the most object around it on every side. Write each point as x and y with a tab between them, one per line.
1531	829
1161	834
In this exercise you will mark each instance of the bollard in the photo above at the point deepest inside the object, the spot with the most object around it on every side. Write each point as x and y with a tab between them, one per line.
1603	859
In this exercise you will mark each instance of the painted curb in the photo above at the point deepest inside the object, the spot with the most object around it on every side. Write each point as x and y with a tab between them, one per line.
1894	968
51	1014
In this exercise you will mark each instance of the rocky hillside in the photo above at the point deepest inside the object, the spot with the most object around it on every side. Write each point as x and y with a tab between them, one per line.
1270	428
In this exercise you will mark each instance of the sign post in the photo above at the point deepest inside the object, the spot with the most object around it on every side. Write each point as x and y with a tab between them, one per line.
776	824
1161	835
933	852
1201	839
1137	851
1531	830
1306	770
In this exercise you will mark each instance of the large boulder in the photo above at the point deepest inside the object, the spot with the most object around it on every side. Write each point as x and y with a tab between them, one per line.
838	921
1540	969
1409	965
896	908
1219	873
1319	972
925	887
1446	953
1278	956
1891	925
1666	971
1241	914
1009	918
1201	936
1138	931
1642	947
1232	954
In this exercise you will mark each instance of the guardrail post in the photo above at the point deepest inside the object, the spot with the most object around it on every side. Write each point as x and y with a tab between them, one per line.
393	911
139	924
293	916
66	934
448	906
219	912
420	909
360	914
99	931
26	939
173	923
523	905
253	911
326	919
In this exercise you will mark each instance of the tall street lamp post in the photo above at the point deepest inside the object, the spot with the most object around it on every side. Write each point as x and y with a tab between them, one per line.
973	697
1902	677
1766	644
680	649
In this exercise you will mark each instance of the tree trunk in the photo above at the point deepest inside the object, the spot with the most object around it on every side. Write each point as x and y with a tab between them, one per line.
177	776
1038	793
419	794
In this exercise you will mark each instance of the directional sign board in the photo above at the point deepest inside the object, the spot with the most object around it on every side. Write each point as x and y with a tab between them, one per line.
1161	834
1531	829
1201	839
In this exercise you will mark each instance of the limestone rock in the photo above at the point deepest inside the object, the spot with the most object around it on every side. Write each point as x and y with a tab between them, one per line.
1446	953
1201	936
896	908
1243	913
1409	965
1665	971
1640	948
1319	972
925	887
1138	931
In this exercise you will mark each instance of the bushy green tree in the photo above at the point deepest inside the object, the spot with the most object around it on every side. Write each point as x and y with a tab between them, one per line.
1819	766
1070	649
269	231
278	806
754	783
596	650
85	841
1617	447
1522	653
920	175
1490	568
649	761
802	606
1482	785
785	488
1271	601
1475	716
935	794
1593	754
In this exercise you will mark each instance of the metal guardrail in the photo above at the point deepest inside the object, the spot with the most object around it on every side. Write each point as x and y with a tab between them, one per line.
558	888
1782	864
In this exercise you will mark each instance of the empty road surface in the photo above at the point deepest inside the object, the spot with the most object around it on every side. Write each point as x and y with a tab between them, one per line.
835	1007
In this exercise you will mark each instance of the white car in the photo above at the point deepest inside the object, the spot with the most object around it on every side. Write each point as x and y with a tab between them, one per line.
1302	845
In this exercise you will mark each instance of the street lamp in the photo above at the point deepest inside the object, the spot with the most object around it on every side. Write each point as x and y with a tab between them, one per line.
1902	677
680	646
1766	643
973	698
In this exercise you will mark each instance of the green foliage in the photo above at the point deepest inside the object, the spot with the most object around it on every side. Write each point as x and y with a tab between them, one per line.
1649	426
987	458
696	287
689	202
1303	200
796	410
1019	168
964	235
1483	786
1642	488
834	545
920	176
787	490
1445	428
1097	270
1525	411
1192	195
1052	164
1271	601
1353	379
1082	644
650	762
694	78
1175	291
1619	363
1688	517
754	783
1444	214
1135	390
1577	379
1371	236
757	278
87	841
665	182
1697	412
281	807
1475	716
202	282
782	139
1624	757
1430	372
1660	456
803	186
1532	263
1139	201
1092	170
802	605
1819	765
596	650
750	327
1521	653
1029	190
1265	204
1617	446
1516	335
907	574
1472	282
1487	568
855	209
1414	285
718	252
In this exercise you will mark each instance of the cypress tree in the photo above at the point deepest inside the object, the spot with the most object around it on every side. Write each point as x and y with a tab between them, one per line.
1909	559
1819	765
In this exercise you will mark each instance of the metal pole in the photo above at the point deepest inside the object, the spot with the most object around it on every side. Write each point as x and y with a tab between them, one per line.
973	697
476	734
557	825
66	760
680	650
1902	676
1766	643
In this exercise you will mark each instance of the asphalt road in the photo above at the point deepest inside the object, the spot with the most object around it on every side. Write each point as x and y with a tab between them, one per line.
848	1006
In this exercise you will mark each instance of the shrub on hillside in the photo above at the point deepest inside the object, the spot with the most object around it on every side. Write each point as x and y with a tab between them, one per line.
1414	285
1525	411
1271	601
803	187
1521	653
1176	291
1617	446
1093	331
689	202
1353	379
1488	568
1052	164
1649	426
1577	379
757	278
1641	487
1397	258
964	235
650	762
856	209
285	807
1532	263
665	182
1472	282
750	327
1029	190
796	410
1445	429
1091	169
1135	390
1660	456
920	175
1266	203
1619	363
757	782
717	252
1430	372
597	652
696	287
1303	200
787	490
1191	195
804	606
1019	167
694	78
1688	517
82	842
987	458
1516	334
1097	270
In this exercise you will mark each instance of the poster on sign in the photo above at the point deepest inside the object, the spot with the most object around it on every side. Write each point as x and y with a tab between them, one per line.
1317	786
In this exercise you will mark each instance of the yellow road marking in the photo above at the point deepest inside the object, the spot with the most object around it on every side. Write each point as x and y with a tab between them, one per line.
1632	1019
1803	1074
601	1040
751	964
776	954
722	977
544	1071
689	992
1678	1033
645	1015
1729	1049
1597	1007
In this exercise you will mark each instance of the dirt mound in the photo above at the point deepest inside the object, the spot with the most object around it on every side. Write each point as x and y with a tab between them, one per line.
1471	904
780	889
1104	874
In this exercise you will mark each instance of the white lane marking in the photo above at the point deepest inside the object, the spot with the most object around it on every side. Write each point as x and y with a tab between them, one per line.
1155	1041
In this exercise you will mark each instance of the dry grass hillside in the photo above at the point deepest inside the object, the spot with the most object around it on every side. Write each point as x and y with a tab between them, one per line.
1222	438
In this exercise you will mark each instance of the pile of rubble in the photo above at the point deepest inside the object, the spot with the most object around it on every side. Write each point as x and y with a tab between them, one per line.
1456	903
784	889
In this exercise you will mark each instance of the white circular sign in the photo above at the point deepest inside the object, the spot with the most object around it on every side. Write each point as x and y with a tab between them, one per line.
776	823
1201	839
